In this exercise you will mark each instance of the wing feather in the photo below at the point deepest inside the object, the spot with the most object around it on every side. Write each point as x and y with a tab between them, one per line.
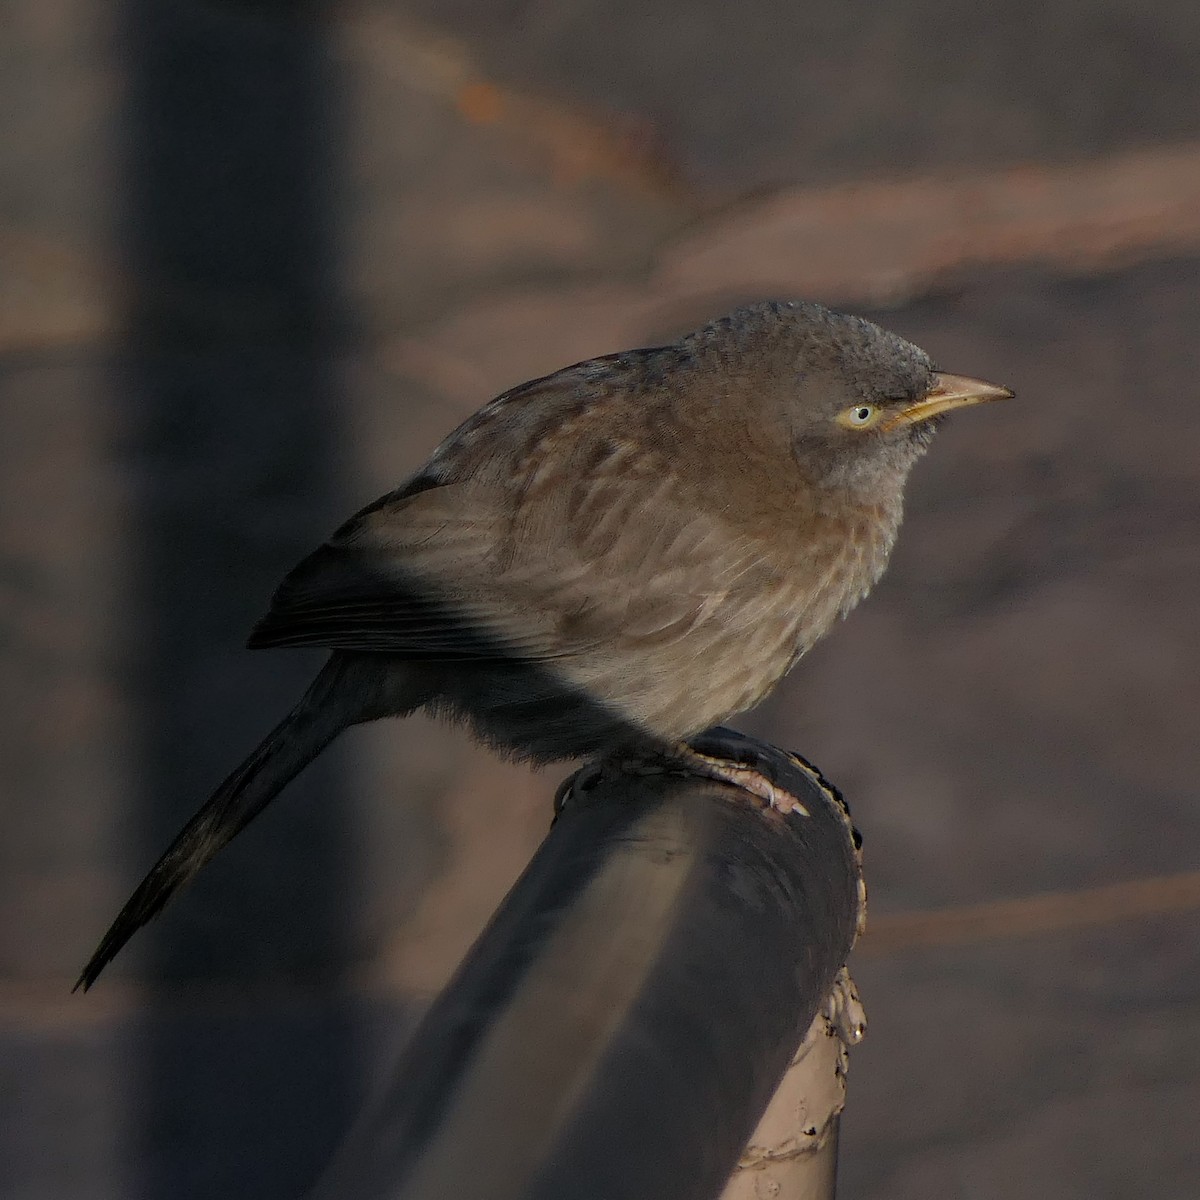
444	575
544	528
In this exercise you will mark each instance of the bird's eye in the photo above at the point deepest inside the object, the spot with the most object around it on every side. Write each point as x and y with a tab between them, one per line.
861	416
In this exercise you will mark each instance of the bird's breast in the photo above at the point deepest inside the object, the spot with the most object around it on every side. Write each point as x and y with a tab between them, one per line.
757	633
835	561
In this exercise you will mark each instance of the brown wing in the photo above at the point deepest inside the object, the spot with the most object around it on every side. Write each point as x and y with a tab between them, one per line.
551	522
466	572
399	578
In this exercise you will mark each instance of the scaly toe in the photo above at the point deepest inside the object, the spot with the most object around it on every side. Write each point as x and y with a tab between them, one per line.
747	778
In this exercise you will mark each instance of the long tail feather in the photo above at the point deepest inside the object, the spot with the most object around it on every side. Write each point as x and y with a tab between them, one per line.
342	694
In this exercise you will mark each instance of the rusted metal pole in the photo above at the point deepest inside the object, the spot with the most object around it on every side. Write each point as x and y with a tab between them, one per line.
618	1030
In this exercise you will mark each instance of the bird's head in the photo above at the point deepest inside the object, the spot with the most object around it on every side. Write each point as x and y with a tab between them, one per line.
860	403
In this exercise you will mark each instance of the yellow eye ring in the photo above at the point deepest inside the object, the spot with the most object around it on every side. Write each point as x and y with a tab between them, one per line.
861	416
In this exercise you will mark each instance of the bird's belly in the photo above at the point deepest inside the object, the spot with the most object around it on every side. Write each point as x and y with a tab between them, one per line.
619	696
671	684
722	666
698	682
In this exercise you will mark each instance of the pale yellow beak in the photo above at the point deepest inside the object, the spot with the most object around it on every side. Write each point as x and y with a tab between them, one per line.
948	391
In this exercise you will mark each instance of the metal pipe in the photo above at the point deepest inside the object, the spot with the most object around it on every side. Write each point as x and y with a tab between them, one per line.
619	1028
792	1154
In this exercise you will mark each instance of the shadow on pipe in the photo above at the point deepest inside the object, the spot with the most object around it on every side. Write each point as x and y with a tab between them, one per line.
621	1025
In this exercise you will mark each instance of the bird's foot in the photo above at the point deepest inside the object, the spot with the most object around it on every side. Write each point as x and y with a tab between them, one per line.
740	775
684	759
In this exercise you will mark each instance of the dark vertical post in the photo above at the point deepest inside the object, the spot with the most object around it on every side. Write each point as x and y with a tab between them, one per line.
232	436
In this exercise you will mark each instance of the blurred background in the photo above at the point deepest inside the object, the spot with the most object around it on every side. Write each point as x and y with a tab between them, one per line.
256	258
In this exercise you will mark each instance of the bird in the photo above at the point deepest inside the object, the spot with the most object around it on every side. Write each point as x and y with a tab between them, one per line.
606	560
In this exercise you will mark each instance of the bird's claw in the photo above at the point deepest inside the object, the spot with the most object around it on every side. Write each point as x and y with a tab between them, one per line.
744	777
683	759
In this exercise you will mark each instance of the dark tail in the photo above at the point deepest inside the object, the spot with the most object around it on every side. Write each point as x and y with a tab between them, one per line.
349	689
